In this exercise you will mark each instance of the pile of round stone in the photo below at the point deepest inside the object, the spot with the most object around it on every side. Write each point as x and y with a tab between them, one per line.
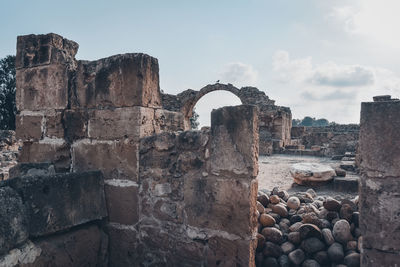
306	230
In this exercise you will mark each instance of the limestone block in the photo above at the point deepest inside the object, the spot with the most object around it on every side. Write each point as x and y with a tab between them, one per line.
225	252
166	120
379	213
76	124
29	126
53	125
86	246
58	202
234	143
379	139
49	151
131	122
43	87
119	81
116	159
34	50
13	221
217	203
123	242
22	169
305	172
122	198
373	258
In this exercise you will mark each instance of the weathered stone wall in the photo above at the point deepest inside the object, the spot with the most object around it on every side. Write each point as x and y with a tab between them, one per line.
197	208
380	182
275	121
326	141
53	220
106	115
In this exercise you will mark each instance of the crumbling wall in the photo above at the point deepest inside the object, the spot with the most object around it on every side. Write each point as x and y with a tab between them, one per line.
325	140
106	115
197	194
380	182
275	122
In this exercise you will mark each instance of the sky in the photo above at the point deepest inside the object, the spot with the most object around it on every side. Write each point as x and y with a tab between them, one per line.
320	58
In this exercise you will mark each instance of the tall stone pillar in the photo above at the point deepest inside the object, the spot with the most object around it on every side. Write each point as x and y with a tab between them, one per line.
380	182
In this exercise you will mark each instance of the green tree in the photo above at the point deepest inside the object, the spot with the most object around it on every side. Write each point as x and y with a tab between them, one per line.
194	124
7	93
307	121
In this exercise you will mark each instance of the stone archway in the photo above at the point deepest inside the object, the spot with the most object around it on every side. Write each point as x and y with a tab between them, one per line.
189	98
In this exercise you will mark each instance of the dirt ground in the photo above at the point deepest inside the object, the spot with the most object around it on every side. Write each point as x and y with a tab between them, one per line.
274	171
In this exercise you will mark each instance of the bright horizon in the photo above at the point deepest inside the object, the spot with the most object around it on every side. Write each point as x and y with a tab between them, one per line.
320	58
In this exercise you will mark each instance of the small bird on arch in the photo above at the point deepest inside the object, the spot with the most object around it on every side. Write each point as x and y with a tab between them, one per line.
217	81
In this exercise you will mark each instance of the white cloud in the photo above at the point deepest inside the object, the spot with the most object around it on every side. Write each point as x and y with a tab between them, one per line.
376	19
327	74
239	74
329	90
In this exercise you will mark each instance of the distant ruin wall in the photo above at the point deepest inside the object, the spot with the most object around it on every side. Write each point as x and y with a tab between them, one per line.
275	121
327	140
380	183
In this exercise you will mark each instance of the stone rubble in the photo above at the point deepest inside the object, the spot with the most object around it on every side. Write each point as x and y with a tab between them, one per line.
9	147
306	230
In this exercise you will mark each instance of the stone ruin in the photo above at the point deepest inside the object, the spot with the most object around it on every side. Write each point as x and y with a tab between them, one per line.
107	177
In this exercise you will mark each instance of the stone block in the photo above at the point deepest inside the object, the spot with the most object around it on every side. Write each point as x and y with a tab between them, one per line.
58	202
374	258
123	243
22	169
218	203
234	143
119	81
53	125
13	221
379	138
43	87
116	159
56	152
379	213
131	122
76	124
34	50
166	120
29	126
225	252
86	246
122	199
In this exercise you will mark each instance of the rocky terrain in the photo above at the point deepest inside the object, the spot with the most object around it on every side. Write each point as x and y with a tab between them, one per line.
306	230
9	148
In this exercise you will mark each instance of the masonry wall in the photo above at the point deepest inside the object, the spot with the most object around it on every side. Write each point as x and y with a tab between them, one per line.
380	183
327	140
197	195
76	116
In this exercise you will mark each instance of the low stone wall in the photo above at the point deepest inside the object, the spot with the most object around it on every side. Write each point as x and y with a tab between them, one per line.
53	219
326	141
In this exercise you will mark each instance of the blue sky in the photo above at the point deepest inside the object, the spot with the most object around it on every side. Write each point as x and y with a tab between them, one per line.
320	58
